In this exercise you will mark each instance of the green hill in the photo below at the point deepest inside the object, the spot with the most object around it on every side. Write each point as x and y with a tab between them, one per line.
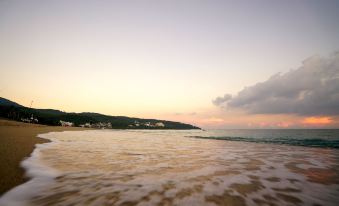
14	111
6	102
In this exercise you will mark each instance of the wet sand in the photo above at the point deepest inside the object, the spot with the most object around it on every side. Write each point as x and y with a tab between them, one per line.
17	141
168	168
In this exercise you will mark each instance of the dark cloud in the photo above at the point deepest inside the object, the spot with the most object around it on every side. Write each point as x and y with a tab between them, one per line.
219	101
312	89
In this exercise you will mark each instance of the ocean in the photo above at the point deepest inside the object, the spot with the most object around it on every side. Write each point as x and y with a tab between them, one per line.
325	138
171	167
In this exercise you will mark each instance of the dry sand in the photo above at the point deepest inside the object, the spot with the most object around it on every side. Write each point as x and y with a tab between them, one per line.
17	141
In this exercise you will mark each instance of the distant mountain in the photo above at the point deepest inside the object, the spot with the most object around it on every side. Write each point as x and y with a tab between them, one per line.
6	102
12	110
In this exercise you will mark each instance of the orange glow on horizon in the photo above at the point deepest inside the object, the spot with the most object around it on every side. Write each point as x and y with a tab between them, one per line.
284	124
317	120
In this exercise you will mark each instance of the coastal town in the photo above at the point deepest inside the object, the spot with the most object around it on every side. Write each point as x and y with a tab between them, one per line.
108	125
52	117
100	125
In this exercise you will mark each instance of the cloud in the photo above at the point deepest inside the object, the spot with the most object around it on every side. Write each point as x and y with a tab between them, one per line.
221	100
312	89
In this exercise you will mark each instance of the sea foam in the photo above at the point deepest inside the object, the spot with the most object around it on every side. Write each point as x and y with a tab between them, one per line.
39	173
120	167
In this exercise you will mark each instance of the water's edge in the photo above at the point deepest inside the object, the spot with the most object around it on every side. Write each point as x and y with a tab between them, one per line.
36	171
116	168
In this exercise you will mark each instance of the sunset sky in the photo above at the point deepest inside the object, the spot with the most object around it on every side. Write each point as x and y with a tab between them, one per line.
216	64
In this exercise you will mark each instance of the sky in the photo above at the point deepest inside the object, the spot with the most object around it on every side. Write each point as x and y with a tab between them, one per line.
212	63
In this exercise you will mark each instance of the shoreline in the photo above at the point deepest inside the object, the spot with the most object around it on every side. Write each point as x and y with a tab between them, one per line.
182	171
36	172
18	141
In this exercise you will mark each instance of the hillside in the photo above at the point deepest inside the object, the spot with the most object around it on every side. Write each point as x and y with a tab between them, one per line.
12	110
6	102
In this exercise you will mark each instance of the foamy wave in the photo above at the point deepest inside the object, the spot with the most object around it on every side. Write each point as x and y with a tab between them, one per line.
40	174
164	168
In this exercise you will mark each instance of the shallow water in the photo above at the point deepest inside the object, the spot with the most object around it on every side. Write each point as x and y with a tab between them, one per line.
170	168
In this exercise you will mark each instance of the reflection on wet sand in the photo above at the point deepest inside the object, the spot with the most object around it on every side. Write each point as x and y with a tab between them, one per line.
159	168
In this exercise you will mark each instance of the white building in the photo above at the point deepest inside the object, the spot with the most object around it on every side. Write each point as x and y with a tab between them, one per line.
159	124
66	124
147	124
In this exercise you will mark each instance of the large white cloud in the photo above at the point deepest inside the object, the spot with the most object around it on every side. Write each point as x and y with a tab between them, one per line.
312	89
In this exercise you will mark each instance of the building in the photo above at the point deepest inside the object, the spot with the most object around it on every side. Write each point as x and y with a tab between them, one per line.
147	124
66	124
159	124
30	120
98	125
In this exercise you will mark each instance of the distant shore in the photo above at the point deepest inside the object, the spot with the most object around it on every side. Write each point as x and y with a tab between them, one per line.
17	141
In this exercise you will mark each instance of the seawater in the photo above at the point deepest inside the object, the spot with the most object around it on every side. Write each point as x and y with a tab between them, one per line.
326	138
158	167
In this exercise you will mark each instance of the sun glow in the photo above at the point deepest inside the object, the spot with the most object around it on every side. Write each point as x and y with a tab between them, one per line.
317	120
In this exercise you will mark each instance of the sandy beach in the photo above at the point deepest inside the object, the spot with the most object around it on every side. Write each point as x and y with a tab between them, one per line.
17	142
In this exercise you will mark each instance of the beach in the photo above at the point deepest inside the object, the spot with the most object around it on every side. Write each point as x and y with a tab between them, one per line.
17	142
169	103
154	167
